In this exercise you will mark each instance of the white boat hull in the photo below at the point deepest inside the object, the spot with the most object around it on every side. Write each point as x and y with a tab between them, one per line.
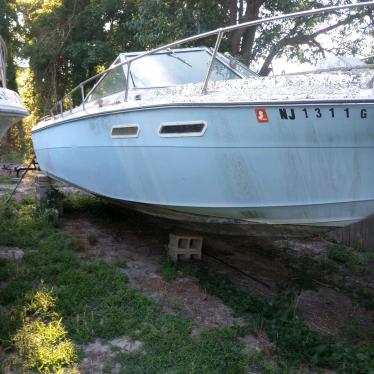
314	171
11	110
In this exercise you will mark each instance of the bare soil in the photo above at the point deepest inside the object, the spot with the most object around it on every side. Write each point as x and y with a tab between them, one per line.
98	353
143	256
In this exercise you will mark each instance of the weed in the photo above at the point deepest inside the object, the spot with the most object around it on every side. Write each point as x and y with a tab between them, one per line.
120	264
176	304
327	265
92	239
259	362
42	342
79	245
305	274
343	255
171	269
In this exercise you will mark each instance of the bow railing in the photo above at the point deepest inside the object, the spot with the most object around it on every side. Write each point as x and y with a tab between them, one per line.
2	62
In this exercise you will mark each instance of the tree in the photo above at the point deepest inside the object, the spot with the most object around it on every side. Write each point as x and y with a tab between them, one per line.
67	41
8	30
158	22
8	25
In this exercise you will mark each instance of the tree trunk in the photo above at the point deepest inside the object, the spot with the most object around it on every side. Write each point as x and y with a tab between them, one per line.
242	40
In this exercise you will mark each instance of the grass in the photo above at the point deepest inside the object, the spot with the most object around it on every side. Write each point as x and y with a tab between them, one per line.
7	180
12	158
296	344
171	269
94	301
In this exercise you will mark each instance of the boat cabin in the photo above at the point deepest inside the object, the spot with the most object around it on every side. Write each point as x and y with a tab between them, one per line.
167	68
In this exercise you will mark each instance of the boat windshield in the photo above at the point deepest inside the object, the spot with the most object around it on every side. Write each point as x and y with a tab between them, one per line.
111	83
168	68
173	68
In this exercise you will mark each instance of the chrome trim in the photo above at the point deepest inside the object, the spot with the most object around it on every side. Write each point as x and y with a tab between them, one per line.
212	61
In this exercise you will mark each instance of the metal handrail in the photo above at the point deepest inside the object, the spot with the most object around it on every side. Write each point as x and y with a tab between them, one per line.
219	32
3	53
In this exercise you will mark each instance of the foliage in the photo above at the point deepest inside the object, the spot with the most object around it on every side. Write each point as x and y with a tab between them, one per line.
8	29
66	41
343	255
11	157
42	341
157	22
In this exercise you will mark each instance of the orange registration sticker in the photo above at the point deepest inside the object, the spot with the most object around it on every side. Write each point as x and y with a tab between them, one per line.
262	116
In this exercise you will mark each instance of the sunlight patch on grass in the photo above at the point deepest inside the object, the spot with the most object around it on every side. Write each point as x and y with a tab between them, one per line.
42	343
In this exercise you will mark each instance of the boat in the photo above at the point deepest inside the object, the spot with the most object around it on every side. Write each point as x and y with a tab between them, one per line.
11	107
194	135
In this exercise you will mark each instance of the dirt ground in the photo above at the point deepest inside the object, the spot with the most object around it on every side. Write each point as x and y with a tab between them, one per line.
137	244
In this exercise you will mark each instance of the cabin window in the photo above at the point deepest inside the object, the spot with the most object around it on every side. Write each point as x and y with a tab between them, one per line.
125	131
111	83
188	128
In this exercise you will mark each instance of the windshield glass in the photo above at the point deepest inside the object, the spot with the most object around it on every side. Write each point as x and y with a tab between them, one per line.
169	69
112	82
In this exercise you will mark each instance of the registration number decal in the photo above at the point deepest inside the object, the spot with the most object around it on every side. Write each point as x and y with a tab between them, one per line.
262	116
291	114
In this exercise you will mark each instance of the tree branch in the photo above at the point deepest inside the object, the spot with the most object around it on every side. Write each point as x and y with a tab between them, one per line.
301	39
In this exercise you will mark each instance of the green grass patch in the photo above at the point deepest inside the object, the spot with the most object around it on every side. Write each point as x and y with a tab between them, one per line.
94	301
295	342
172	269
350	259
343	255
12	158
7	180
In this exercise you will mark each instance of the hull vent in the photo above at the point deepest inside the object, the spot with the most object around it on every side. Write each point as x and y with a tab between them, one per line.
125	131
175	129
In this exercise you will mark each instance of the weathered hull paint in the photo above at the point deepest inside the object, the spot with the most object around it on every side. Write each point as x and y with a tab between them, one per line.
11	110
308	164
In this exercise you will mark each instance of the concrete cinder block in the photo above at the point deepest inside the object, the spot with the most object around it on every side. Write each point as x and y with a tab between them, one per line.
42	188
42	180
184	247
